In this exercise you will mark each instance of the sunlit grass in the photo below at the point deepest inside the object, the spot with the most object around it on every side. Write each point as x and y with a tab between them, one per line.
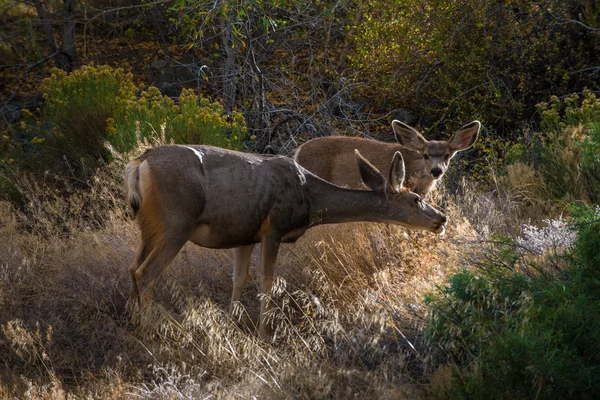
347	317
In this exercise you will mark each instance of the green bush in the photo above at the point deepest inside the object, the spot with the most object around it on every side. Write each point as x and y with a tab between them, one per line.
449	62
515	330
194	120
66	135
565	153
77	107
581	116
93	106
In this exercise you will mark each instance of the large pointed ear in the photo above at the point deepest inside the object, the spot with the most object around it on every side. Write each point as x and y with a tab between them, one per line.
397	173
370	175
465	137
408	136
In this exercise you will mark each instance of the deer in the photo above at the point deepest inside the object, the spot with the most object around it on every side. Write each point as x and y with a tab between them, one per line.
220	199
331	157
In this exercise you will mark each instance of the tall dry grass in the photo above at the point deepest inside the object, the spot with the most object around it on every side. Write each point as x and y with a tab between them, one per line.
346	321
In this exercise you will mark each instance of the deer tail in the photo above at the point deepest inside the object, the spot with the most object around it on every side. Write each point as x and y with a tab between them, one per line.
132	186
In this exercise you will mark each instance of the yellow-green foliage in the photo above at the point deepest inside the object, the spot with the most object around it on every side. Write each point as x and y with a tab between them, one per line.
195	120
78	105
98	105
565	153
451	61
67	134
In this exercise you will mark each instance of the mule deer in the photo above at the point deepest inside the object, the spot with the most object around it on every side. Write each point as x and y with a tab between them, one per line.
332	157
220	199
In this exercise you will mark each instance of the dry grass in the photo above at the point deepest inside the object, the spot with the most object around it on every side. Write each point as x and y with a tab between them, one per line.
349	307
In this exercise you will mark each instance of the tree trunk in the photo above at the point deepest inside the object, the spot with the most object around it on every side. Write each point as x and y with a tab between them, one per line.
228	71
64	58
261	126
68	47
46	25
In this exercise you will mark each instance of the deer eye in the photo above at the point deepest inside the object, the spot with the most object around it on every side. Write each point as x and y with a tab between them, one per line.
418	201
446	157
426	156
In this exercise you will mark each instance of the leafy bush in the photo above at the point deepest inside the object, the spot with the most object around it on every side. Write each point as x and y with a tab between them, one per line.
195	120
77	107
93	106
66	136
452	61
565	154
524	326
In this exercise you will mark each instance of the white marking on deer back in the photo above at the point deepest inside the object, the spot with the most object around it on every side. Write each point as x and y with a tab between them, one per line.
300	171
197	152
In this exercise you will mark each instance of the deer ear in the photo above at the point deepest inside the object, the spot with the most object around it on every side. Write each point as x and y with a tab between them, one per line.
408	136
370	175
465	137
397	173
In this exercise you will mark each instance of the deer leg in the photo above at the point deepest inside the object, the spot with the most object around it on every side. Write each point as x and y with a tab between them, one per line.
241	264
268	256
140	257
156	262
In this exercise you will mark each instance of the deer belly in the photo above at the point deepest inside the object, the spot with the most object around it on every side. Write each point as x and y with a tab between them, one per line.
216	239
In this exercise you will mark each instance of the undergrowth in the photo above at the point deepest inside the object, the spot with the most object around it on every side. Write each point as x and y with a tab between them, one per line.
521	323
64	142
346	316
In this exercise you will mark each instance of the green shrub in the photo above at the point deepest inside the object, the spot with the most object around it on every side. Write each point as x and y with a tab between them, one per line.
523	326
66	136
452	61
195	120
77	107
565	153
93	106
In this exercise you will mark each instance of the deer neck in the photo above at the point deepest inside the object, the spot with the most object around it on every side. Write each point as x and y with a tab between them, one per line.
332	204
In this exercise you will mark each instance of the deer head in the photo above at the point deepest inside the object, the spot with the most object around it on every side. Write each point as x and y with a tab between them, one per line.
403	206
436	155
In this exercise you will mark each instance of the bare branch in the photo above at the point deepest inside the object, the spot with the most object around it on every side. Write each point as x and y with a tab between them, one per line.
574	21
112	10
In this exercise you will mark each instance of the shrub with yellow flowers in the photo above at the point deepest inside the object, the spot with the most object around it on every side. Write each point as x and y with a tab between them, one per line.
98	105
195	120
78	105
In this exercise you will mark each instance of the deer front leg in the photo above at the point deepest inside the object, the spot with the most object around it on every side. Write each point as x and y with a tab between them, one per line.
241	264
268	257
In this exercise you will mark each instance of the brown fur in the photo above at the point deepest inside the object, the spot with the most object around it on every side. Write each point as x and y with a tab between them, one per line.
332	158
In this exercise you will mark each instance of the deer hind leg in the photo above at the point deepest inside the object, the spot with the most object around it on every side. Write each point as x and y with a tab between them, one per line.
159	258
268	257
140	257
241	265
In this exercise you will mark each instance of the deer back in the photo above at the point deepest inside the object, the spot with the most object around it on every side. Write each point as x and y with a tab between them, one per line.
426	161
238	195
332	158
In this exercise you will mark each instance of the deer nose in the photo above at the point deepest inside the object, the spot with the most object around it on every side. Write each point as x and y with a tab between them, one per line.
444	219
436	172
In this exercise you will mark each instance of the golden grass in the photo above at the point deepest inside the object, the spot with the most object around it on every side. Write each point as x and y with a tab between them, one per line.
346	322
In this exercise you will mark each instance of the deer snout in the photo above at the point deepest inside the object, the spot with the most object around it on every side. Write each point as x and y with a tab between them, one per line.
436	172
440	228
